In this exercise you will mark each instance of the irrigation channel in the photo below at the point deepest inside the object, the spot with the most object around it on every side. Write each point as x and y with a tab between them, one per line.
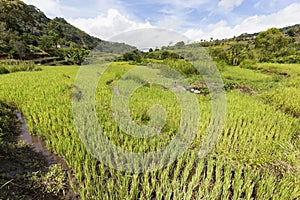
39	146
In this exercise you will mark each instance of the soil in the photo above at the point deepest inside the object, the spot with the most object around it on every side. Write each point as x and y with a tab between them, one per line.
245	89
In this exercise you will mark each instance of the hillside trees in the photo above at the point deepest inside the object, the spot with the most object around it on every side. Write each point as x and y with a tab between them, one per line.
233	54
269	43
27	33
13	14
137	56
55	32
75	55
13	17
238	52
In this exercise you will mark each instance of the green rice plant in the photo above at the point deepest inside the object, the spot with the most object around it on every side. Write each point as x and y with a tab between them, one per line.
218	180
287	188
237	182
205	187
256	137
265	186
249	182
226	194
285	99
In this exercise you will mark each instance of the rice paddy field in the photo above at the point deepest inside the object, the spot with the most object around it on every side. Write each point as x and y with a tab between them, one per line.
256	154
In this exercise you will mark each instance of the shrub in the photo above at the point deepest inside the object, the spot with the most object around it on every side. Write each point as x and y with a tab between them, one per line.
3	70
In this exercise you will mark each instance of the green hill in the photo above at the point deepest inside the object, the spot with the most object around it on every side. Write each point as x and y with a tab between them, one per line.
27	33
273	45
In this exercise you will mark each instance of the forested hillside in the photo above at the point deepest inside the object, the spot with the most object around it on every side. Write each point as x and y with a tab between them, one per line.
272	45
27	33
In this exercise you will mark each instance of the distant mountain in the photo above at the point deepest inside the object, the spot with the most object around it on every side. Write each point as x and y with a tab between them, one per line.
27	33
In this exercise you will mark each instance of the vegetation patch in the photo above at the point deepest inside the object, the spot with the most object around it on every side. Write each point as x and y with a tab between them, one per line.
11	66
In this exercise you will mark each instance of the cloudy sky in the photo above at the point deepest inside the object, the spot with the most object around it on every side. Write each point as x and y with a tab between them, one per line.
196	19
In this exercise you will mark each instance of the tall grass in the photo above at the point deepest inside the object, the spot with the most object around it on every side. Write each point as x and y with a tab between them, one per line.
11	66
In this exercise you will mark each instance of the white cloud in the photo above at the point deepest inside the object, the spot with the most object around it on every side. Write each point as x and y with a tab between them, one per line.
150	37
170	22
218	30
197	35
285	17
52	8
107	25
76	8
115	18
228	5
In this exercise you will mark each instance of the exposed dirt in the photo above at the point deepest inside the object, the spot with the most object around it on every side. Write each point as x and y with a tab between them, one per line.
245	89
266	71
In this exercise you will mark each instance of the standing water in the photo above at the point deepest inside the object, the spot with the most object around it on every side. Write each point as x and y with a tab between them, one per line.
37	144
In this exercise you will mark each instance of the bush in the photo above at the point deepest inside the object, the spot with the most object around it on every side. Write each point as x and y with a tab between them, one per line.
288	59
133	56
75	55
3	70
230	84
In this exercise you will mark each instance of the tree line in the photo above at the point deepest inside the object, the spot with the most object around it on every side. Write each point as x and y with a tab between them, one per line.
271	45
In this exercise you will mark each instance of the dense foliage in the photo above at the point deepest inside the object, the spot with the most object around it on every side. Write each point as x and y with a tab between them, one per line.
139	56
26	33
272	45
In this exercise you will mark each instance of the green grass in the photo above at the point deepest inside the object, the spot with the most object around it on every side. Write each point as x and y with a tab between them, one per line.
292	70
286	99
286	96
257	81
256	156
237	73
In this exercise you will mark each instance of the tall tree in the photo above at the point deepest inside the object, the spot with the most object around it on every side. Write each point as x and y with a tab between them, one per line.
269	43
271	40
55	31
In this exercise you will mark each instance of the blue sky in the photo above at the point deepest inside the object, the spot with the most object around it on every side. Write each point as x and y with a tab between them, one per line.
196	19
